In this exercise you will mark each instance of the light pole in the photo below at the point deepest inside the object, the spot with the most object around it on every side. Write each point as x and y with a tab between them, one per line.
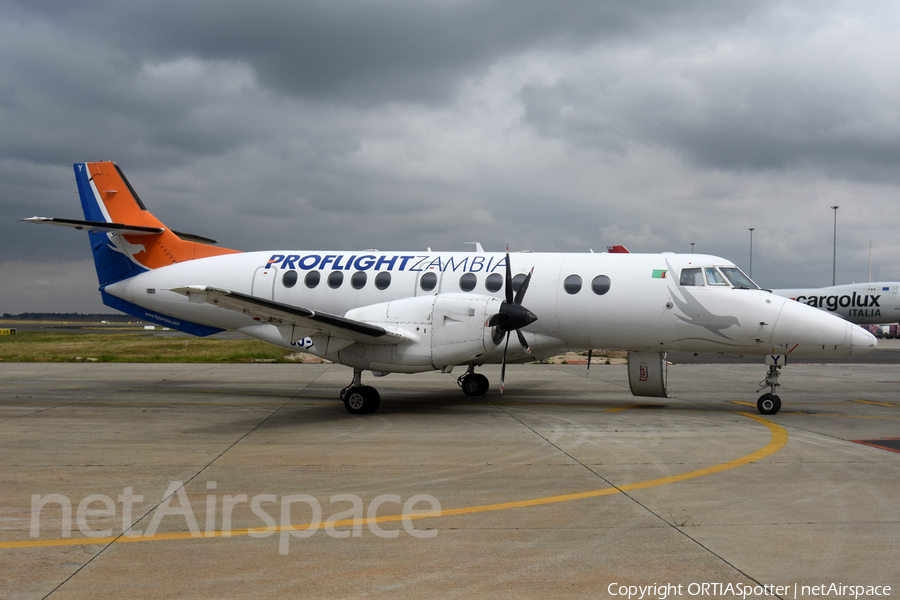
751	252
692	247
834	260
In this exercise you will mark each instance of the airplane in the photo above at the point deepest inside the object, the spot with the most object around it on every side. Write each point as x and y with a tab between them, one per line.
872	303
408	312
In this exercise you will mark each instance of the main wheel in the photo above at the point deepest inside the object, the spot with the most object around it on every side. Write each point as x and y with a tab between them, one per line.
374	398
361	400
768	404
475	384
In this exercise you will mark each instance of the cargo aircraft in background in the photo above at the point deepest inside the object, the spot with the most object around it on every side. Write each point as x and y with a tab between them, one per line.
407	312
873	303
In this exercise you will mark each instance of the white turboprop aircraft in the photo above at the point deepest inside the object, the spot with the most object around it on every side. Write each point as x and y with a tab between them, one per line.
872	303
410	312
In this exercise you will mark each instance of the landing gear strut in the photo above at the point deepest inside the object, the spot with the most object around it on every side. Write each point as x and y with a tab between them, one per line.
472	383
769	403
360	399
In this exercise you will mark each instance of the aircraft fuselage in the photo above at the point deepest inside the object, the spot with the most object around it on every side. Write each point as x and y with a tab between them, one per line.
622	301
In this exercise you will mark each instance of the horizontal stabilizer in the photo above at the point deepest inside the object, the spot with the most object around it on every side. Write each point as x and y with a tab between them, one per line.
99	226
118	228
193	237
279	313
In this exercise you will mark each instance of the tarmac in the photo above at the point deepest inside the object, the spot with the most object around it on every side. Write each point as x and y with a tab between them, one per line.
227	481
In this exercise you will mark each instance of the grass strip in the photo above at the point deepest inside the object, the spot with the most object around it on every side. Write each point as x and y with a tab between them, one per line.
35	346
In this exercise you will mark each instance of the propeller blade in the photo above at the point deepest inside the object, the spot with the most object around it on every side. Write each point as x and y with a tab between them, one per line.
509	290
503	367
497	335
497	319
590	354
523	342
521	293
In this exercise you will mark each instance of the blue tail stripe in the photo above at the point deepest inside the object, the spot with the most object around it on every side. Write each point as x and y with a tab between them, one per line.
111	266
89	204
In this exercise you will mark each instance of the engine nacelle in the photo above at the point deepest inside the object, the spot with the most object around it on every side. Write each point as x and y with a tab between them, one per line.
442	330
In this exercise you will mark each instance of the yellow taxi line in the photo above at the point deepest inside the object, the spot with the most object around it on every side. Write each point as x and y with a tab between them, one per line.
777	442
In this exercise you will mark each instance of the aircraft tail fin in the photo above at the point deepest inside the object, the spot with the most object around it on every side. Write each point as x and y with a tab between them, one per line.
126	238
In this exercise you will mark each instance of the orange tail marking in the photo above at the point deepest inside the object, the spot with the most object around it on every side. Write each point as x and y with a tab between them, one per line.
159	251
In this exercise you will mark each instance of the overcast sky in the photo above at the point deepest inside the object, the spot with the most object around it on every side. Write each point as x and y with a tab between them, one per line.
401	125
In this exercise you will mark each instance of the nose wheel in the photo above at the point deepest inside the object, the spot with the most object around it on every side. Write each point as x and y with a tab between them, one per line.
769	403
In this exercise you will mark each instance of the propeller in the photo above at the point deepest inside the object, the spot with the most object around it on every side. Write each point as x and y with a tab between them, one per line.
512	317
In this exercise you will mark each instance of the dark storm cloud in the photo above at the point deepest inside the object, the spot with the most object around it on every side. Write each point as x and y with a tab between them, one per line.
740	98
845	143
362	51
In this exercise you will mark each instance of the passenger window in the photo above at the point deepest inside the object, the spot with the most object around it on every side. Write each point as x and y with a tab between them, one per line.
335	279
691	277
600	284
428	281
383	280
358	281
289	279
572	284
312	279
713	277
467	282
494	282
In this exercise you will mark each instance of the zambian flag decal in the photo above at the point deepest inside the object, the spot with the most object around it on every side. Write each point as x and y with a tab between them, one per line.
659	273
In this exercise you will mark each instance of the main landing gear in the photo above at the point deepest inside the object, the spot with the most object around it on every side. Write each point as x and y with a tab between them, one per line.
472	383
769	403
360	399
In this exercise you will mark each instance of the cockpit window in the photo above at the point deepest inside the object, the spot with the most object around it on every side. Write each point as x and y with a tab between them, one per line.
691	277
713	277
738	279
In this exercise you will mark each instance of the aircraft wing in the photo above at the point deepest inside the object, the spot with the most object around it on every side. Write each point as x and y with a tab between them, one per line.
280	313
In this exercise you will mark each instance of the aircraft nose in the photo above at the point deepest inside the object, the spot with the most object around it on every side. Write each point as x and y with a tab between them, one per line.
861	341
807	331
810	328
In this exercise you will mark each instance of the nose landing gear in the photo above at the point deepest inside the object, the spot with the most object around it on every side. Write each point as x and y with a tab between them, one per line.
770	403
